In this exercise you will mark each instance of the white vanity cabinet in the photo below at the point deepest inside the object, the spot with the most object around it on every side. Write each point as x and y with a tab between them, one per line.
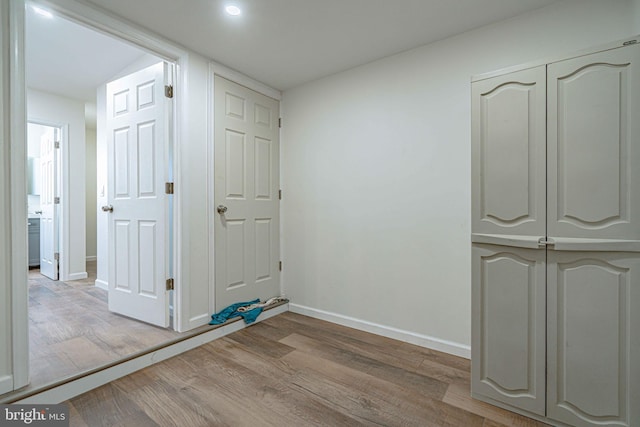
556	239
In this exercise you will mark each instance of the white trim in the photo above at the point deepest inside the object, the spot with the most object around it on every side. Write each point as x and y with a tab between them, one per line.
77	276
102	285
6	340
97	379
426	341
18	156
211	213
91	258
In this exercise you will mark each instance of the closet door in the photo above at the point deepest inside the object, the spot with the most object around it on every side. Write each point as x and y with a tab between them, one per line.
508	158
594	151
593	341
508	337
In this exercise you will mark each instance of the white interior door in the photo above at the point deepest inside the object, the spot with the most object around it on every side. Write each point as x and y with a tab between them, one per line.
247	249
49	203
137	126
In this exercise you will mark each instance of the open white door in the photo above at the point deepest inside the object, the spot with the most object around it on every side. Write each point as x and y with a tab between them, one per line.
49	202
138	137
247	245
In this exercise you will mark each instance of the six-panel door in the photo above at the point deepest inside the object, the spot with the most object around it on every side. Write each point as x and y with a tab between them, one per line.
247	246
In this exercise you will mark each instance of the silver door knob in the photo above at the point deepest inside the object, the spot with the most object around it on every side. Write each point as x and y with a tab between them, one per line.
221	209
107	208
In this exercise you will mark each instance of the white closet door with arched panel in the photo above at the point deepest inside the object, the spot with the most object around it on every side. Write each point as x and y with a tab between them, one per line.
508	153
594	146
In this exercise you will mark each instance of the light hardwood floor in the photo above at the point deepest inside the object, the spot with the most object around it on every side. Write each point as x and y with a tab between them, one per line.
293	370
71	329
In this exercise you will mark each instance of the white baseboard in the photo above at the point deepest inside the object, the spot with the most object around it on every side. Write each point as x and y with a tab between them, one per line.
102	284
386	331
92	258
77	276
86	383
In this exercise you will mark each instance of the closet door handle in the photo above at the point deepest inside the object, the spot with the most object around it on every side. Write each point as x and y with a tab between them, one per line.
221	209
107	208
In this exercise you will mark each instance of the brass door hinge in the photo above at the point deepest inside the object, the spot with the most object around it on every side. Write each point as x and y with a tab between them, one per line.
169	284
168	187
168	91
280	266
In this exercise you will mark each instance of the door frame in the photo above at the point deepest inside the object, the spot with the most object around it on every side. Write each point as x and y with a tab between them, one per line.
95	19
62	180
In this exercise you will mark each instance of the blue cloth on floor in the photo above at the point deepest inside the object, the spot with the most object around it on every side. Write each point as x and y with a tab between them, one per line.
232	311
251	315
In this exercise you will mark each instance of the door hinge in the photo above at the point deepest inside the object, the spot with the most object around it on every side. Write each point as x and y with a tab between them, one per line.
56	144
168	91
280	266
169	284
279	194
56	200
56	256
280	122
168	188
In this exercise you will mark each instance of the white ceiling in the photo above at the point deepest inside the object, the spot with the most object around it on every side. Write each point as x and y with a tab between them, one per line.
70	60
282	43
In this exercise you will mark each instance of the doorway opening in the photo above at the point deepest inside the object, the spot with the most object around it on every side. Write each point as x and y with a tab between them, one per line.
72	327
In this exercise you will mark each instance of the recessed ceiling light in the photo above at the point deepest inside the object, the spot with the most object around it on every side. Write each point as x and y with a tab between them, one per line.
233	10
42	12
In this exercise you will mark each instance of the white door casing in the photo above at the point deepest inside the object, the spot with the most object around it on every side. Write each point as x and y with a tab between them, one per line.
246	232
48	205
138	138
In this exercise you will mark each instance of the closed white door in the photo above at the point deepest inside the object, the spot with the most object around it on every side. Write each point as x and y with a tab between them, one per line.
246	194
593	274
593	340
509	154
137	126
594	147
508	348
49	203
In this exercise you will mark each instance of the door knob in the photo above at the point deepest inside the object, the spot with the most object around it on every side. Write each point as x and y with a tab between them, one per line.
221	209
107	208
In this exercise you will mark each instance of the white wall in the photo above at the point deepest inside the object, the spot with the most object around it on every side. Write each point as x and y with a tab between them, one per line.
376	173
91	192
57	110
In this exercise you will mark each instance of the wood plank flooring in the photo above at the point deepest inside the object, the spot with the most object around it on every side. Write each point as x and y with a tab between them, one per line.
71	329
293	370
